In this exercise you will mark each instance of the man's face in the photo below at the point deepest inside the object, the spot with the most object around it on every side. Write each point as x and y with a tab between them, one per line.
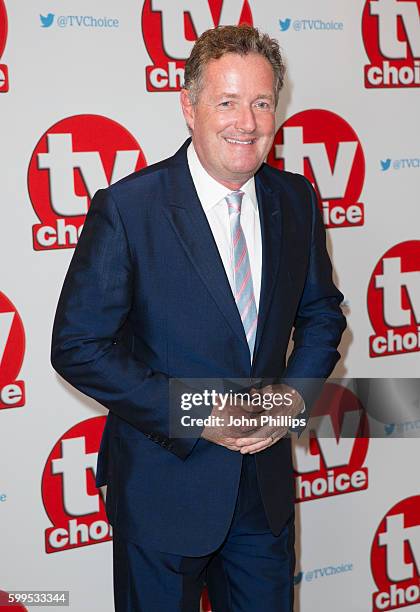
233	121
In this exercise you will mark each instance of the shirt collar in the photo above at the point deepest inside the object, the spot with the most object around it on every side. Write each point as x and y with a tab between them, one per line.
210	192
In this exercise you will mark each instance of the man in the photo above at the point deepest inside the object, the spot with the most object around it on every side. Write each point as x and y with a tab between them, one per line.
199	267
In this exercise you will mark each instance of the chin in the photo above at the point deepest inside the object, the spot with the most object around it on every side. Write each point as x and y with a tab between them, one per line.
245	171
245	165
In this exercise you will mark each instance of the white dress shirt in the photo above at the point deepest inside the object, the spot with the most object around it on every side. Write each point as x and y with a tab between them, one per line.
212	195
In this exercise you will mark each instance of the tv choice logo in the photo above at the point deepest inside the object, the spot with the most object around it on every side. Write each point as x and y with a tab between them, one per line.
4	72
325	148
170	29
391	35
3	27
11	607
393	301
395	557
12	351
72	160
329	457
74	505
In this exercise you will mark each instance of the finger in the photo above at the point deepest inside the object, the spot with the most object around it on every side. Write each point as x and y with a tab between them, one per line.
226	445
272	439
251	442
253	408
229	443
259	446
262	444
240	442
264	433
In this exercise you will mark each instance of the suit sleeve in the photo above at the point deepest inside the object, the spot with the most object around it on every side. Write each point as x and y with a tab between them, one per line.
94	304
319	321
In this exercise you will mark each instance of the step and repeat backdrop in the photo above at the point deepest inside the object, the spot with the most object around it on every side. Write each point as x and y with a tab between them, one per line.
89	92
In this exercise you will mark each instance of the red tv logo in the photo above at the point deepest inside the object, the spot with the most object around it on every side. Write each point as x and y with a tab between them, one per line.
391	34
330	454
73	503
395	557
12	351
72	160
325	148
394	301
171	28
5	598
4	74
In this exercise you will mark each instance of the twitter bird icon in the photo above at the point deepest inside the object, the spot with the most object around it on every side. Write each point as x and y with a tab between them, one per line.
389	428
385	164
284	24
47	21
298	578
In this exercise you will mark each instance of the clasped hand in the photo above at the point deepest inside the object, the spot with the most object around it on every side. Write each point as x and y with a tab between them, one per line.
243	428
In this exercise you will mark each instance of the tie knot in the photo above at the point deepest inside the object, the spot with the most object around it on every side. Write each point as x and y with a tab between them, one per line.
234	201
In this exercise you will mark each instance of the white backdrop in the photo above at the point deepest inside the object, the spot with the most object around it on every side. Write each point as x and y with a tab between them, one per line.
78	110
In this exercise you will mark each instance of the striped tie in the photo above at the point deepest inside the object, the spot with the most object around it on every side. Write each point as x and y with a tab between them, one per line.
242	279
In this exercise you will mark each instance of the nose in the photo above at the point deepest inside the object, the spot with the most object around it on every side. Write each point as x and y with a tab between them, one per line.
245	119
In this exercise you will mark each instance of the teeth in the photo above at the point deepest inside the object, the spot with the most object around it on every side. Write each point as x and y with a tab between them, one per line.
242	142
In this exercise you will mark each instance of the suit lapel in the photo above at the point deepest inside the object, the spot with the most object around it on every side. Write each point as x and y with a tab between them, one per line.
271	235
190	223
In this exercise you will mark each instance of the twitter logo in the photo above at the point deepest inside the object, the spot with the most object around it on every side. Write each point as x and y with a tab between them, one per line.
298	578
47	21
284	24
389	428
385	164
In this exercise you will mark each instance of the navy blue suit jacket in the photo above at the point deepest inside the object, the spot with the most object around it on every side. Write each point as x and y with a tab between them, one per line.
146	298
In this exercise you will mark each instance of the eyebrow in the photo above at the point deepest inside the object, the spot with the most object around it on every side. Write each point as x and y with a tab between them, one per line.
236	96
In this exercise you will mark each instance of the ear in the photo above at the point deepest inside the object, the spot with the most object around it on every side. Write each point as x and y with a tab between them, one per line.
187	108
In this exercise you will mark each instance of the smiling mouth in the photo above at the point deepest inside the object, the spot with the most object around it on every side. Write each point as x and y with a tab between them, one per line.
235	141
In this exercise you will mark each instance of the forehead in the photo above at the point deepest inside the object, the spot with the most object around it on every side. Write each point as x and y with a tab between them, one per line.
234	71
